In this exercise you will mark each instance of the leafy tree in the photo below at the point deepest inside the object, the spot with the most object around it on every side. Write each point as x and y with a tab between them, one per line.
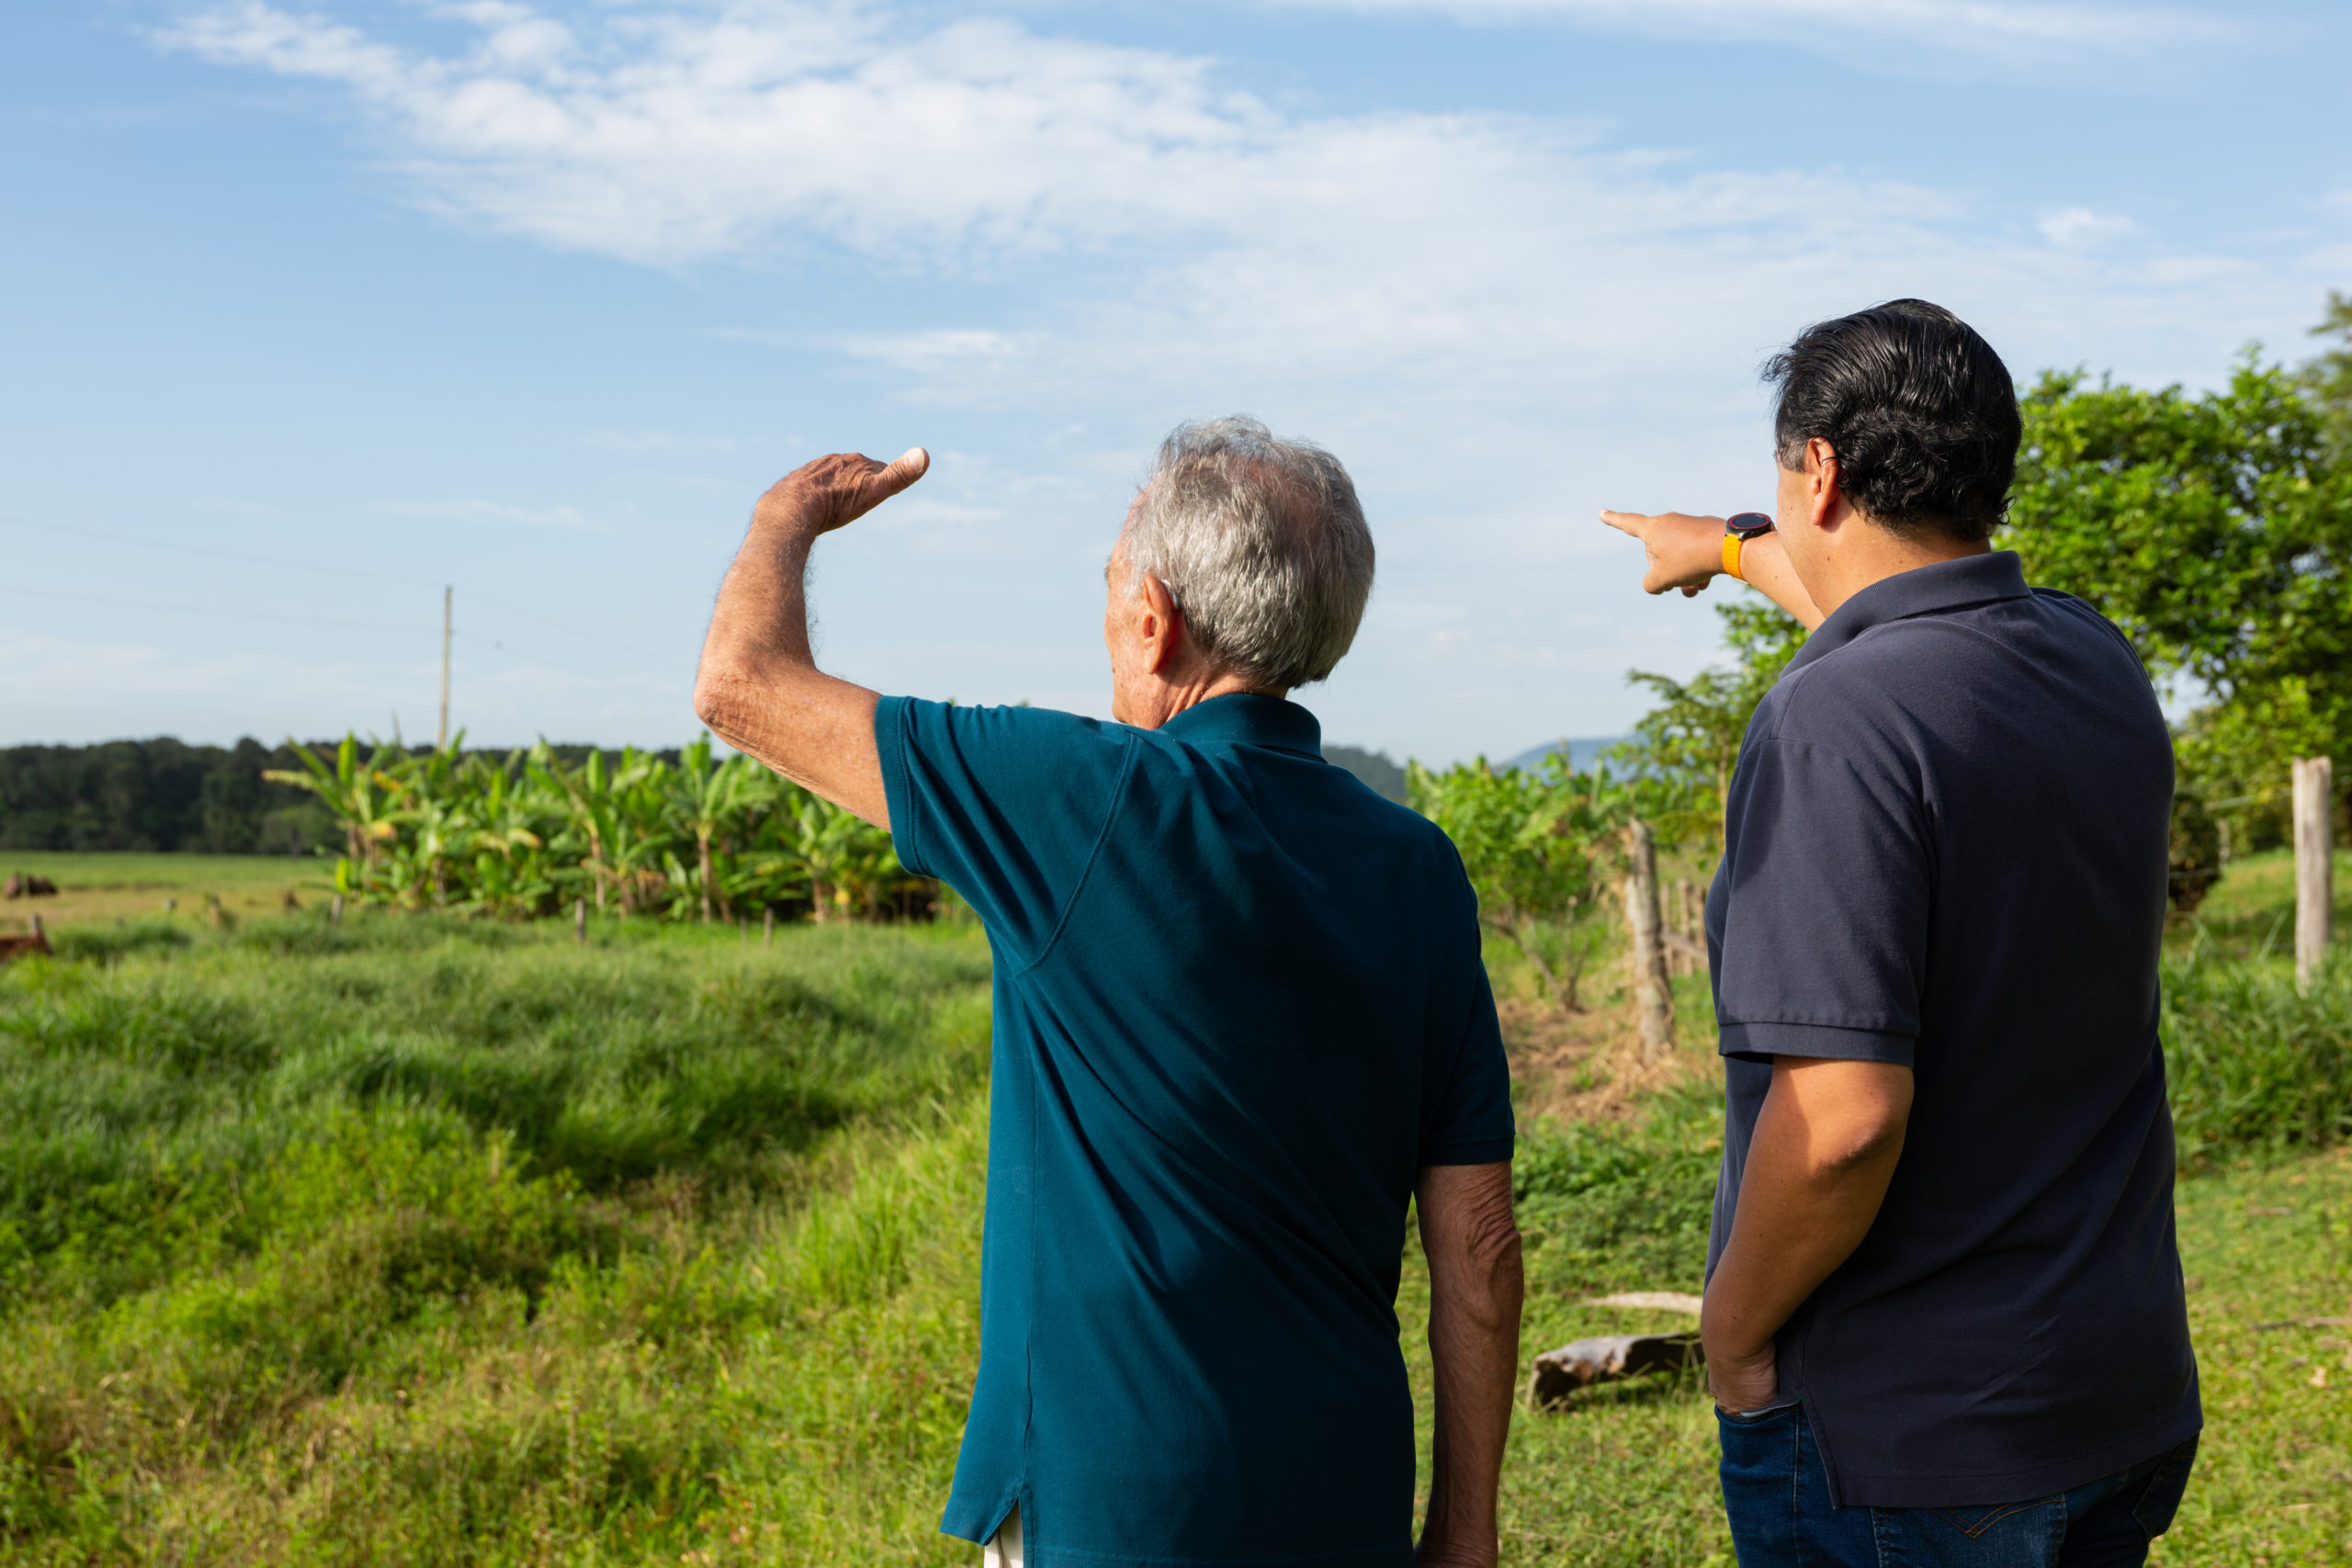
1680	758
2216	530
1537	845
2328	379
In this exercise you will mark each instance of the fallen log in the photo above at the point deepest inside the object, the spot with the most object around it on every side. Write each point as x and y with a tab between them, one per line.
1651	1301
1559	1374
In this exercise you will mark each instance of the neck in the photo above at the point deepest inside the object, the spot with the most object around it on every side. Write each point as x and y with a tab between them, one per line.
1870	554
1158	698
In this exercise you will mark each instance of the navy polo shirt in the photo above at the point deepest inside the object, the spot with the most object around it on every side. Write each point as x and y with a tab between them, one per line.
1238	1005
1945	847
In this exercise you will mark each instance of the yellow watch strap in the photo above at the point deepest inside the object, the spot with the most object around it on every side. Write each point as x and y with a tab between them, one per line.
1732	544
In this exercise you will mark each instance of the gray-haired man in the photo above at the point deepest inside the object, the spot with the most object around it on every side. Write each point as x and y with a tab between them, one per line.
1240	1021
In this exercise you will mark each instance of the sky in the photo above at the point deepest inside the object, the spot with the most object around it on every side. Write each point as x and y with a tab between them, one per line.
311	310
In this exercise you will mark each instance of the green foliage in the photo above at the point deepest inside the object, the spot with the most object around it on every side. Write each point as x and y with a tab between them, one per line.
2195	856
1611	1206
2254	1065
2216	530
155	794
703	838
2327	379
1683	750
438	1242
1535	843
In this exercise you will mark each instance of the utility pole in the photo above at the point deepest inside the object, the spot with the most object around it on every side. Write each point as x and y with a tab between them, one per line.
447	595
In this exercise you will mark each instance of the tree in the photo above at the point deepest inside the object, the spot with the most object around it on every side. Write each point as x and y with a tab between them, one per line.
1536	846
1683	750
2216	530
2327	379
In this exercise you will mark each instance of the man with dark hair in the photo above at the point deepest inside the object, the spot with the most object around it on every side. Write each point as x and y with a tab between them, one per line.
1944	1319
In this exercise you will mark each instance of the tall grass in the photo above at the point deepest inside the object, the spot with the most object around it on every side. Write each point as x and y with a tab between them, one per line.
418	1242
2254	1065
412	1242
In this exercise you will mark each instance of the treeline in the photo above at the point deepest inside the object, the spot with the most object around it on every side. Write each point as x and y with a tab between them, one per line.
155	794
164	795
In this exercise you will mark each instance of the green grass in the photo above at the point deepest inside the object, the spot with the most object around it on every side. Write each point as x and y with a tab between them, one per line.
412	1241
101	890
2251	911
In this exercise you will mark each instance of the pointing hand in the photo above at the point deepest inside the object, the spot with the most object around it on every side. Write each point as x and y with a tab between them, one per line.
1685	552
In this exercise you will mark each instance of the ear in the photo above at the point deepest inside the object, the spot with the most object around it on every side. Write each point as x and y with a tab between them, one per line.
1826	498
1163	624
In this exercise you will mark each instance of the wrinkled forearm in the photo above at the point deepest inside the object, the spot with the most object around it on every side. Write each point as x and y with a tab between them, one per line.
1477	1287
758	686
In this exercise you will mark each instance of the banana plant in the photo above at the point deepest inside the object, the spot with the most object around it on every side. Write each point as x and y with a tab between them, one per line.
704	795
358	794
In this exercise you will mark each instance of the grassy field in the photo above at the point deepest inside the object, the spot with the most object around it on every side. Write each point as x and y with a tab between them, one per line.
106	888
413	1241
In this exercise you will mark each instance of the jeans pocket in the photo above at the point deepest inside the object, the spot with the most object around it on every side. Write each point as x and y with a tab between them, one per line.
2160	1498
1744	1420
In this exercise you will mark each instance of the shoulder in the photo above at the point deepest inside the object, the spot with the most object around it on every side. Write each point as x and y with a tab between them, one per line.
2079	613
1045	729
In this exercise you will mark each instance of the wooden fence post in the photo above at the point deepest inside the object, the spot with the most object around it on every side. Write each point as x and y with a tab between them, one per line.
767	928
1653	996
2314	890
580	921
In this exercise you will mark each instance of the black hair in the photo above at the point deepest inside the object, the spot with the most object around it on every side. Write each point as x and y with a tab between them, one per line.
1919	410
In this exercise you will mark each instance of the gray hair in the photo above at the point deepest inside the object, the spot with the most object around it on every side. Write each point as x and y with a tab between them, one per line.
1263	545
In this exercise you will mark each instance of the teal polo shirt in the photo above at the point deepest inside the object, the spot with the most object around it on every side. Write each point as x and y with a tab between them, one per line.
1238	1006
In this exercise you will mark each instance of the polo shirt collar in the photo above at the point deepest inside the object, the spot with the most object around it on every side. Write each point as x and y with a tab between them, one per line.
1241	718
1922	591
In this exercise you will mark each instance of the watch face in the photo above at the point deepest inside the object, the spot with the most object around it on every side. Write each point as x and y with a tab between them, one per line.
1748	524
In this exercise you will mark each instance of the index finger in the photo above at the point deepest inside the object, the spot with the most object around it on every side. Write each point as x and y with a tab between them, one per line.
1625	522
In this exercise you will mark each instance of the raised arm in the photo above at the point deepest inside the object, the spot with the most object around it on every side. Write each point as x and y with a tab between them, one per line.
1476	1286
759	687
1686	552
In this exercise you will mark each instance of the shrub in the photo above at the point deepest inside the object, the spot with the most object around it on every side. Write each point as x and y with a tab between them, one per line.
2251	1063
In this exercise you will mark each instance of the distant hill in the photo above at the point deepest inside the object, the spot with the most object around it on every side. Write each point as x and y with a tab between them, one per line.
1579	753
1376	769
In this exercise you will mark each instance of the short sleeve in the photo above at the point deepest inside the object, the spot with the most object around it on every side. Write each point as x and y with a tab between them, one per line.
1467	1116
1005	804
1824	950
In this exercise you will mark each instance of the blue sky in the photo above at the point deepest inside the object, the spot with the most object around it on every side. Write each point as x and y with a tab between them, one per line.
312	307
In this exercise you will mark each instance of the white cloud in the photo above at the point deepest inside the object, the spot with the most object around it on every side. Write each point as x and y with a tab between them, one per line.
1500	321
1207	239
2081	228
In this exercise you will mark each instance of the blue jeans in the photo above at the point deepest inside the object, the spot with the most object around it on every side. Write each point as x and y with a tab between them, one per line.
1778	1497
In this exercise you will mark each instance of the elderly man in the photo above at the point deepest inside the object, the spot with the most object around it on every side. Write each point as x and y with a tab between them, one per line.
1241	1020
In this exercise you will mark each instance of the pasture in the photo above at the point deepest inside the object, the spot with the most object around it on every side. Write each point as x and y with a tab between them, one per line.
421	1240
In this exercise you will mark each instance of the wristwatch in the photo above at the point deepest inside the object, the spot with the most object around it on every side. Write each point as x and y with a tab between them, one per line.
1738	528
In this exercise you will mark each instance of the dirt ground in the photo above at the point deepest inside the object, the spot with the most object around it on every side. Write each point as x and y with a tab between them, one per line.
1589	1067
